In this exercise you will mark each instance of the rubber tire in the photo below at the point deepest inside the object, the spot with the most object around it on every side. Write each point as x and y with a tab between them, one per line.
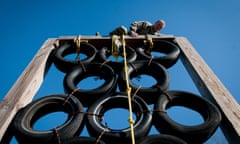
191	134
171	51
25	119
161	139
88	96
81	140
156	70
105	52
141	126
63	64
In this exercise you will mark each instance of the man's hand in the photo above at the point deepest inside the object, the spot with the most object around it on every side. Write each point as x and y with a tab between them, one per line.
134	34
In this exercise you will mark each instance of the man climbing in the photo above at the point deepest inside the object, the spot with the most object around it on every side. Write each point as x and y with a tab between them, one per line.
140	28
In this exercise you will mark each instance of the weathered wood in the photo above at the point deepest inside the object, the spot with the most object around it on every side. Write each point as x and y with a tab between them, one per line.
212	88
25	88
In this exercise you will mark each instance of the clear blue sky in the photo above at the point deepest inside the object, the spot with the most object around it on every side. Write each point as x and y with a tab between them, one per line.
211	26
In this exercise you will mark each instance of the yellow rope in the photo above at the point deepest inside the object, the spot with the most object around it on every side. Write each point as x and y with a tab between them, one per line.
128	90
77	40
115	47
150	42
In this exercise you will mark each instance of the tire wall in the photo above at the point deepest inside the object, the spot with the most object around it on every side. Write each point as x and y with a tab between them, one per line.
86	107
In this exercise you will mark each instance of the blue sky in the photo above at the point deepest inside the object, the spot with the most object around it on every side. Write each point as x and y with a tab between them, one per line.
211	26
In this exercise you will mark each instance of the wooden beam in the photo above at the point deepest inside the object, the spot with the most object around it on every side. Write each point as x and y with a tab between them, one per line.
100	42
25	88
212	88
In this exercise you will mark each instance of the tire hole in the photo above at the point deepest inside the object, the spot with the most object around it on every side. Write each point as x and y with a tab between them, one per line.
185	116
91	82
117	118
144	80
74	56
157	54
118	59
49	121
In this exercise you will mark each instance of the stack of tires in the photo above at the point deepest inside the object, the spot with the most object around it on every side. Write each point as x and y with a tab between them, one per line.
86	107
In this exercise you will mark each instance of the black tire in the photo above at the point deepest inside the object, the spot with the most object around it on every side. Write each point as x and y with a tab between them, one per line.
141	126
25	119
154	69
191	134
171	53
88	96
105	52
161	139
64	64
81	140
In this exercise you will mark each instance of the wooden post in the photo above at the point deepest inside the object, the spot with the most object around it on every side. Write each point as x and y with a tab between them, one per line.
211	87
25	88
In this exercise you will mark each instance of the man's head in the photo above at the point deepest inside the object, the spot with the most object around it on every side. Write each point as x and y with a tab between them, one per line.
158	25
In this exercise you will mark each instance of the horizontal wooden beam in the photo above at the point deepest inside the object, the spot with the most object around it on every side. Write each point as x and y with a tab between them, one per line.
212	88
100	42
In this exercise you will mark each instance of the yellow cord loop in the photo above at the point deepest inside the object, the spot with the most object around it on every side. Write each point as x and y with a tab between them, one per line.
128	90
77	40
115	46
149	42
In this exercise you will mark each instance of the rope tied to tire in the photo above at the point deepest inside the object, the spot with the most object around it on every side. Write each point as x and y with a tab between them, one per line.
133	66
57	135
164	92
77	41
82	65
128	90
150	61
115	47
69	95
150	44
103	63
102	133
135	93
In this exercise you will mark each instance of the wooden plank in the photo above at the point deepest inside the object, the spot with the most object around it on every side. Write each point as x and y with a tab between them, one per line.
212	88
25	88
84	37
99	41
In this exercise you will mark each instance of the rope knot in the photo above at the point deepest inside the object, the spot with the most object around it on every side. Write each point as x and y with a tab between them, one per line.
131	121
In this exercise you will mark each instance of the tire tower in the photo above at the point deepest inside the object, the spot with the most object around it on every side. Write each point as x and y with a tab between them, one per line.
216	105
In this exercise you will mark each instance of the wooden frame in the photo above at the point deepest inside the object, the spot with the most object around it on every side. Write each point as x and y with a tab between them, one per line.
27	85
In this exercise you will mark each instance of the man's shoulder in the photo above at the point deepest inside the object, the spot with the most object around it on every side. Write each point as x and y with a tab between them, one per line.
143	22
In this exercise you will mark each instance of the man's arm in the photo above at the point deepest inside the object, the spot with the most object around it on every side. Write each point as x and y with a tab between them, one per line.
137	26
